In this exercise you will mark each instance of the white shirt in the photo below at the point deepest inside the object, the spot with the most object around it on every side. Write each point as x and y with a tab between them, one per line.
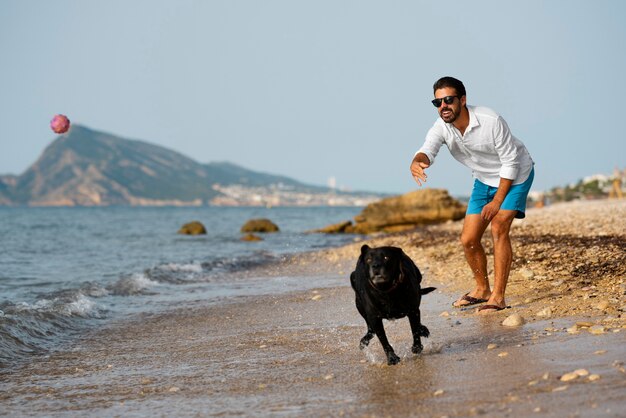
487	147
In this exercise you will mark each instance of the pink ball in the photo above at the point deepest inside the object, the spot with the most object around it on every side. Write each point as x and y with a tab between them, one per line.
60	124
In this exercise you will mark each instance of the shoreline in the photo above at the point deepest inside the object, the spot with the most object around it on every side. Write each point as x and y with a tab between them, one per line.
296	353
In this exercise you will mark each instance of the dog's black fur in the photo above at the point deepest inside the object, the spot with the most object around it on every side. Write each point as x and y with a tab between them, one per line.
387	286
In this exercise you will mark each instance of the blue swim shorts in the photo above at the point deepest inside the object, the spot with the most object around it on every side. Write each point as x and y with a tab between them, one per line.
514	200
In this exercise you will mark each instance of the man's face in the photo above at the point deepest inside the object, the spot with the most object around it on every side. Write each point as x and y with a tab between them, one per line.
449	112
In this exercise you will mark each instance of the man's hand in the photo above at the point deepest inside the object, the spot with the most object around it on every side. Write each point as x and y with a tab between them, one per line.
418	165
490	210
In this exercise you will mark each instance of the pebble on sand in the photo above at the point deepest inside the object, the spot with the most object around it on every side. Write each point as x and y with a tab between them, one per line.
492	346
503	354
439	392
316	297
513	320
597	329
568	377
527	273
573	329
545	312
593	377
574	375
581	372
603	305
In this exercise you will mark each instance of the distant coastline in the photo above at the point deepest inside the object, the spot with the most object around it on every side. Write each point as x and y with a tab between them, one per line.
85	167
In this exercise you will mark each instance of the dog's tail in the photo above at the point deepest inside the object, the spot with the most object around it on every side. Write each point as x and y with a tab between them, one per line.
427	290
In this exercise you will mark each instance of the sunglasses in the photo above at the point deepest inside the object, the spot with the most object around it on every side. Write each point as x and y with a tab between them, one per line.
447	100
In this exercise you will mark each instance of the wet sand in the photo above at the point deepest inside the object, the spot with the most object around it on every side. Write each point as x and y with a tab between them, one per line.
296	353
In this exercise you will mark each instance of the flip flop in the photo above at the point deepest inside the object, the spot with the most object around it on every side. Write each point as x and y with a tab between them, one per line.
494	308
471	301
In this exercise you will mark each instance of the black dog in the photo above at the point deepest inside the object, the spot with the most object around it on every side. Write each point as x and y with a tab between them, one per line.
387	286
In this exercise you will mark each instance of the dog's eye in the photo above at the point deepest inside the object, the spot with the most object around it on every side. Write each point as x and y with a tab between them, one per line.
386	258
368	260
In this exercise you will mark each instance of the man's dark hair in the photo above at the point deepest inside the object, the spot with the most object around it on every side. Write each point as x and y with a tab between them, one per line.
452	82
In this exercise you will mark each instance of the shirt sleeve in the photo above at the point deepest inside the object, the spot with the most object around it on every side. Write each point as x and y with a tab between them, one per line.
434	140
507	151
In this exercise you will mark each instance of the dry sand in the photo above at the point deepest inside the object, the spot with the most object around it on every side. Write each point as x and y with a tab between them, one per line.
296	353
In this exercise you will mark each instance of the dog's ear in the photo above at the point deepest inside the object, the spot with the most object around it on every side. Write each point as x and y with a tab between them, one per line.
365	248
408	267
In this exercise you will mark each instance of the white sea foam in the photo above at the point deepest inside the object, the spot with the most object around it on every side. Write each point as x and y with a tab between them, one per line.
77	305
82	306
371	356
191	267
132	285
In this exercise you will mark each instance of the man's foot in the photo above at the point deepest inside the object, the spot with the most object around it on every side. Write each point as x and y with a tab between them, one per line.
467	300
490	308
493	305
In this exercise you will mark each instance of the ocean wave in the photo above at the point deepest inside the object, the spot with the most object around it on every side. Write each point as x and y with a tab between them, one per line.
133	284
227	265
29	328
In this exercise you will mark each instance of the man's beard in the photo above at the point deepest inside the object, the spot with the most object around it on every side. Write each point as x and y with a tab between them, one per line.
451	117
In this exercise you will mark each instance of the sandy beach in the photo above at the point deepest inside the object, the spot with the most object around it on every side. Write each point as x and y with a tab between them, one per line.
296	353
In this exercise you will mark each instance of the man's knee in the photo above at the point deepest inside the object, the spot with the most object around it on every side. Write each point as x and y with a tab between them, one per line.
500	227
470	241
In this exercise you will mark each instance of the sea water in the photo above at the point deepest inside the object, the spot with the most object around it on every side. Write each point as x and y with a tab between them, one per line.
66	270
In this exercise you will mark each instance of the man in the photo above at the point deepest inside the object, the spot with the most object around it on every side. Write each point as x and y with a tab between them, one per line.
503	172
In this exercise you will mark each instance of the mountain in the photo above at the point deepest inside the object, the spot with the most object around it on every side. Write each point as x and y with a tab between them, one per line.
90	168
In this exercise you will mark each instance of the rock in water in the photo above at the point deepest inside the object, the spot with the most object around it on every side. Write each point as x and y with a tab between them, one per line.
514	320
251	237
192	228
259	225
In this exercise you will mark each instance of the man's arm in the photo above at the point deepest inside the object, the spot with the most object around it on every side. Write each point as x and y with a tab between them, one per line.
491	209
419	163
426	155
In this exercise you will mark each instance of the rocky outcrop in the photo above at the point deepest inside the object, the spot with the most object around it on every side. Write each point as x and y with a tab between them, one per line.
192	228
399	213
259	225
335	228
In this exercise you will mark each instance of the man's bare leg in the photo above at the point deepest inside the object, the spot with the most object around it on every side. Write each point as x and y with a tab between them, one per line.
502	255
473	229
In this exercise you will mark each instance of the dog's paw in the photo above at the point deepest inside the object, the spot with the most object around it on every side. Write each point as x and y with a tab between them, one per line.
417	348
364	343
392	358
424	332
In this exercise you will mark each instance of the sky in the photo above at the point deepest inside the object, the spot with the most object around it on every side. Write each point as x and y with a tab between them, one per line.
317	89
